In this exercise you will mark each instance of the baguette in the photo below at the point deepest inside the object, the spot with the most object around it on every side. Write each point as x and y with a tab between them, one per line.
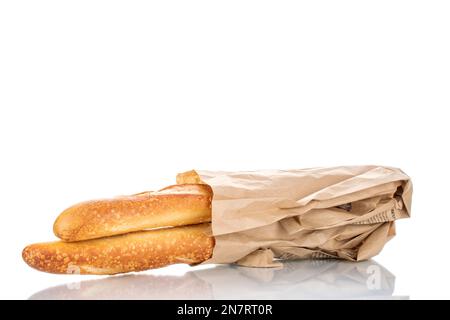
135	251
175	205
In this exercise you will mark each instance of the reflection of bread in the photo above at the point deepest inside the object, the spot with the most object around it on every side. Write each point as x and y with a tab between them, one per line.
131	286
172	206
124	253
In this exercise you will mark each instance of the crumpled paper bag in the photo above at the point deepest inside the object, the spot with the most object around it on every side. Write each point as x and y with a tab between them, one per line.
343	212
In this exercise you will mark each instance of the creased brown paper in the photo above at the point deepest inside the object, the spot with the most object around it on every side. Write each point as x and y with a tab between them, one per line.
340	212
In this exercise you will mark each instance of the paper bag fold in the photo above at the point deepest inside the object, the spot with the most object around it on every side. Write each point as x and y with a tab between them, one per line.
343	212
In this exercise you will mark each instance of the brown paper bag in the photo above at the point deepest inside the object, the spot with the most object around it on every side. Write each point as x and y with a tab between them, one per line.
341	212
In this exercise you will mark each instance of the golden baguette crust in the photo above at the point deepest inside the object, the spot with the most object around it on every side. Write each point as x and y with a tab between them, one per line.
172	206
135	251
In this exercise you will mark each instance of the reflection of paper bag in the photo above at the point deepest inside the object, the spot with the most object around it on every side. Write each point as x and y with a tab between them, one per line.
341	212
301	279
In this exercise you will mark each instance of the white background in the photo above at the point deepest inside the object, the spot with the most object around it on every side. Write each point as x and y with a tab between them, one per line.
100	98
